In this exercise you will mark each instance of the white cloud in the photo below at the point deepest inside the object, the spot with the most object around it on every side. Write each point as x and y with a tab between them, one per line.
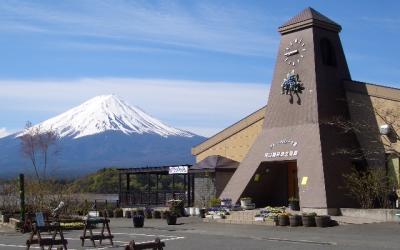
228	28
203	106
4	132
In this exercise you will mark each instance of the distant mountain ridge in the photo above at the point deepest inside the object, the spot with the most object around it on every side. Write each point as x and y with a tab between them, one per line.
108	113
103	132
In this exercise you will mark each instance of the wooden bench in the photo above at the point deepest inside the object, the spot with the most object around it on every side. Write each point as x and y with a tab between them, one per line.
89	223
156	245
41	226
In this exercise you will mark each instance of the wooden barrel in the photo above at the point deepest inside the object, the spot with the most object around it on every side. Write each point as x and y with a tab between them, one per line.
322	220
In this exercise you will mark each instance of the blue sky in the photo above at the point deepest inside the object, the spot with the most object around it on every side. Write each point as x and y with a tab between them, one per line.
196	65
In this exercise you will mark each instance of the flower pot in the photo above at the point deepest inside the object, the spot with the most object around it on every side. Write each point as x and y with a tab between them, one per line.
294	205
171	219
283	220
138	220
295	220
322	220
308	220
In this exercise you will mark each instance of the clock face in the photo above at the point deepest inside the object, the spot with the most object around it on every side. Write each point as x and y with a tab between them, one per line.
294	52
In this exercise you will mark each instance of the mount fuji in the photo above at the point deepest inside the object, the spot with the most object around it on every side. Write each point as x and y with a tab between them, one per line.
103	132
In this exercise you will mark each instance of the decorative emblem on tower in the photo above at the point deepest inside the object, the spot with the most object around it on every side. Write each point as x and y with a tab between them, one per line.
292	84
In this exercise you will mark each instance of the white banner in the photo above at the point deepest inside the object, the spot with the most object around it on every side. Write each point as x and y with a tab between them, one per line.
178	170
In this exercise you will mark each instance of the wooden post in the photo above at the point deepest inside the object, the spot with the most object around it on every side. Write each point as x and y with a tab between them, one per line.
119	186
148	189
189	194
173	186
128	182
157	188
22	196
184	188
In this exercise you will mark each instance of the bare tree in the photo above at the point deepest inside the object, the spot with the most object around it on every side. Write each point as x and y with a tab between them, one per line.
365	125
370	184
38	145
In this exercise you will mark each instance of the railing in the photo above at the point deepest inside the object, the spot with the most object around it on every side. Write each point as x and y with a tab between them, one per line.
148	198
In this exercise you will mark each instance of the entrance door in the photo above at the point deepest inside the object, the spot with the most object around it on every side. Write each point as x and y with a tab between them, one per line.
293	187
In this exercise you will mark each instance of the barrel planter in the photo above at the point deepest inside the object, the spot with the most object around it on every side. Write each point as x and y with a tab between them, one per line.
138	220
308	220
171	219
295	220
322	220
283	220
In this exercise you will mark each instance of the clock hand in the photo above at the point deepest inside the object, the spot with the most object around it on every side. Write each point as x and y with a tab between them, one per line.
291	52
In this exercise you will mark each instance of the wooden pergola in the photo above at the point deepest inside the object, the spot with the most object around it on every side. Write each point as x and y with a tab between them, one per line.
153	195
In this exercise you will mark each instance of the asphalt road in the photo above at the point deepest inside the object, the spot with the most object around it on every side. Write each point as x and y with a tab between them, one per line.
192	233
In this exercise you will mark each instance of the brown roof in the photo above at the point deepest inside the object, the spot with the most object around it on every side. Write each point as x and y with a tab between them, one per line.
373	90
214	163
309	16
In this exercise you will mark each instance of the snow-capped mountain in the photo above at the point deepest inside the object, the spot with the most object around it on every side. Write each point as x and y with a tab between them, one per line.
108	113
103	132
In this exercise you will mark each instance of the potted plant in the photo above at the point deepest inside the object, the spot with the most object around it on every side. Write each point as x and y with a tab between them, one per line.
245	201
295	220
138	220
283	219
118	212
308	219
171	218
148	213
322	220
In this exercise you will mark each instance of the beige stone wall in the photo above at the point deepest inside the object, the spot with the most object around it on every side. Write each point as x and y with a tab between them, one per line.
370	108
235	146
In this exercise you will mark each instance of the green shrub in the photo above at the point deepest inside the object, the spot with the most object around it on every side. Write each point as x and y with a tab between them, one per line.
214	202
128	214
118	213
156	214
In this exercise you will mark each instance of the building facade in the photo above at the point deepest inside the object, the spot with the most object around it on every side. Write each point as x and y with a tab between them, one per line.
291	147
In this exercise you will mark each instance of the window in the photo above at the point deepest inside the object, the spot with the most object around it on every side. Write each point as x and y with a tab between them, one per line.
327	52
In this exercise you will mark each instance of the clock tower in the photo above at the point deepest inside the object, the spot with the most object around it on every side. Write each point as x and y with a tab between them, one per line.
306	93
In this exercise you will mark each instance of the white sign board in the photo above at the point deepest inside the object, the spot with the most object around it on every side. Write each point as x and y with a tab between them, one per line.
178	170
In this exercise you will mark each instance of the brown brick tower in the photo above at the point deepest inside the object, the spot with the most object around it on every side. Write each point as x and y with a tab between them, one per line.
294	154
